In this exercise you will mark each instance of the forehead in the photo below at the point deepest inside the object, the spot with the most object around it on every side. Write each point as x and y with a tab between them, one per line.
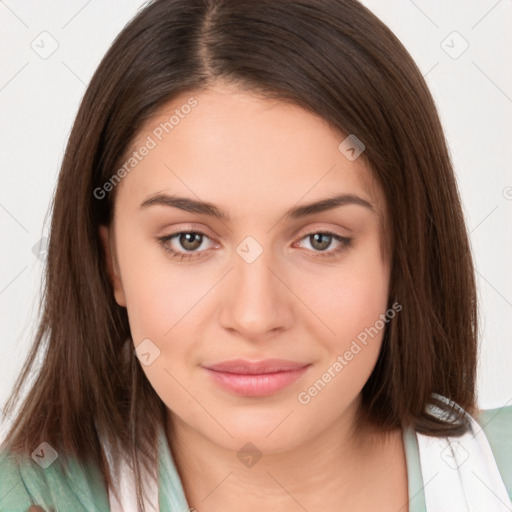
232	147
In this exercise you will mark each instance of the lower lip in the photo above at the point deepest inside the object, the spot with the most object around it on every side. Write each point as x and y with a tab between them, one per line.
256	385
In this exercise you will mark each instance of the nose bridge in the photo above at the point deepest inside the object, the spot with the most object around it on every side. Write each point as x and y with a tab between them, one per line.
257	301
255	283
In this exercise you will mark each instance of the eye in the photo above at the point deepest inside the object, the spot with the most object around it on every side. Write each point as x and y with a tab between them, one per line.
190	241
321	240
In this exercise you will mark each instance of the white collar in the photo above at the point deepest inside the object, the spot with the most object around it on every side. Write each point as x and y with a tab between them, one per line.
460	473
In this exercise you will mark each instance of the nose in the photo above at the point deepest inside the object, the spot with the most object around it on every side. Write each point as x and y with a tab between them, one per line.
257	302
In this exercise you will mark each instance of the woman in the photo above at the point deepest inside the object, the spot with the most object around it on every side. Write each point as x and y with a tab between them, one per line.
259	292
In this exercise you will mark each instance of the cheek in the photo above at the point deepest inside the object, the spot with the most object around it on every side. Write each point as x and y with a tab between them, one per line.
350	296
164	310
159	302
158	292
350	300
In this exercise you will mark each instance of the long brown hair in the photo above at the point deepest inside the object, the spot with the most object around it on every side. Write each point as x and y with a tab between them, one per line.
332	57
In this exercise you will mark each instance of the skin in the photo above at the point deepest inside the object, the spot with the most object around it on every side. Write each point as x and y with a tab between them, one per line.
255	159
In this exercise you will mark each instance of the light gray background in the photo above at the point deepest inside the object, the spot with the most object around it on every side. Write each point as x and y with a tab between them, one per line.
39	98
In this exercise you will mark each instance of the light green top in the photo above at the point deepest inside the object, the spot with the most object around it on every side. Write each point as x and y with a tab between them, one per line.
83	489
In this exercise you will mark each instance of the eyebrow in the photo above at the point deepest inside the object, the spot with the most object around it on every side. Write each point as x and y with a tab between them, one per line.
298	212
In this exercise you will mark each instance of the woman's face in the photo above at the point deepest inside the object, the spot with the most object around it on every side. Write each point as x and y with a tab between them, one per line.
256	283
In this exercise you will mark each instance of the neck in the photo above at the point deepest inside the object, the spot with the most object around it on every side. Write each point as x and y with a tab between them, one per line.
331	468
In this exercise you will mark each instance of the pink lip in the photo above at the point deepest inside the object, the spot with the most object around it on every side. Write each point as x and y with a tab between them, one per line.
260	378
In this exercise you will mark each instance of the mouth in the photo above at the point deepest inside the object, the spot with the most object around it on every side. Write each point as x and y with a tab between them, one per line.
253	379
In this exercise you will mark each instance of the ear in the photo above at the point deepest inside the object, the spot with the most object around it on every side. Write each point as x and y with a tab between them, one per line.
112	268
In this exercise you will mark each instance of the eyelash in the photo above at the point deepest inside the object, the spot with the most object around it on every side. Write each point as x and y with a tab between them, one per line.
344	243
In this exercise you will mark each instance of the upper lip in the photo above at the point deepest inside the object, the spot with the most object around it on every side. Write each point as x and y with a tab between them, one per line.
242	366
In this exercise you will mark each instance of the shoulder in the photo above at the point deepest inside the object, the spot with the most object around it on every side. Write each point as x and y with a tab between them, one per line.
497	426
13	493
25	482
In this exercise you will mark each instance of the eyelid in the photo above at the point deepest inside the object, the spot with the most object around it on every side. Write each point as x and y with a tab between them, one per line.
323	227
298	234
187	227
